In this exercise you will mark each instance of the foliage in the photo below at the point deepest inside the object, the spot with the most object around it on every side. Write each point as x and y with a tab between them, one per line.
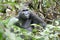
50	33
9	31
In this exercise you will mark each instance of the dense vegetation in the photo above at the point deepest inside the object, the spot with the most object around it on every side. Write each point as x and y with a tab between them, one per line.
49	10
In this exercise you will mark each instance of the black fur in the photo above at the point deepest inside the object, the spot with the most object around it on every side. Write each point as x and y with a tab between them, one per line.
27	18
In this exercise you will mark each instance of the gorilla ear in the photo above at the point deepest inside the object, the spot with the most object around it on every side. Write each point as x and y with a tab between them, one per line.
18	15
19	11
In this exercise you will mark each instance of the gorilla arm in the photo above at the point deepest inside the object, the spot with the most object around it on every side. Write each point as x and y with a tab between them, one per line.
37	19
26	25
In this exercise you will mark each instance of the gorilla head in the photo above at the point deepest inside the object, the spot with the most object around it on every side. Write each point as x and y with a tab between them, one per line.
24	14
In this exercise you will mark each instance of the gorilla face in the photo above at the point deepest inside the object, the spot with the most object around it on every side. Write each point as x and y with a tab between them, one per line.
24	14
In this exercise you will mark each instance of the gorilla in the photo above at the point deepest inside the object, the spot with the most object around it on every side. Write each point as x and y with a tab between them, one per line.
27	17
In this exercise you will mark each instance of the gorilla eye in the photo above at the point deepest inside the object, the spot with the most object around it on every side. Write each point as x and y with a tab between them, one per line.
25	10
